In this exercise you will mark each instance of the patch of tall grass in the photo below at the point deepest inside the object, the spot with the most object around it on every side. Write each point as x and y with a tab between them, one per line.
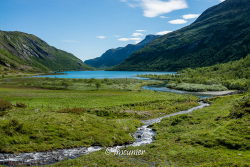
197	87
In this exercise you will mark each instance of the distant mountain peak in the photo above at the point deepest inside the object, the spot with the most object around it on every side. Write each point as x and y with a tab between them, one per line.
113	57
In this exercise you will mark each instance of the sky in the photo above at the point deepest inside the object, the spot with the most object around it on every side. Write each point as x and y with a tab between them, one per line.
87	28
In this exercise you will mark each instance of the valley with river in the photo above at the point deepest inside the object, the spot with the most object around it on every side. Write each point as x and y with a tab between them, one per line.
72	118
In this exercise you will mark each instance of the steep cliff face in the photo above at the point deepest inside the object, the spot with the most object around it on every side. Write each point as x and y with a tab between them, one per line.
116	56
27	52
219	35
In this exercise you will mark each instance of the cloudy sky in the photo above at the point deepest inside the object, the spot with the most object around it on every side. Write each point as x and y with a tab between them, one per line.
87	28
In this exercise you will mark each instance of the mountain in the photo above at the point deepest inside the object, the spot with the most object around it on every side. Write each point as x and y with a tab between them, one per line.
116	56
26	52
219	35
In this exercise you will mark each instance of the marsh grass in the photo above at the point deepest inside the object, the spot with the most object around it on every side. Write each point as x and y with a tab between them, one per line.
20	105
141	110
207	137
197	87
76	84
46	131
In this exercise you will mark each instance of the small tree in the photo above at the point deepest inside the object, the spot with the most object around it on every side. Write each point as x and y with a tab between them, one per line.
97	85
65	85
5	105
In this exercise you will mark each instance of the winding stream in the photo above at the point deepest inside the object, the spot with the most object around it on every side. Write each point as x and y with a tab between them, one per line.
143	135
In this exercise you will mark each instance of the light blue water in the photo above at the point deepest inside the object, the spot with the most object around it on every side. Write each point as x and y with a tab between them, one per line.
102	74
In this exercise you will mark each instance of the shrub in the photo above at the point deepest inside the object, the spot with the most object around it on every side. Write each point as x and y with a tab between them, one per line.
2	113
72	110
13	127
5	105
97	85
65	85
21	105
240	108
196	87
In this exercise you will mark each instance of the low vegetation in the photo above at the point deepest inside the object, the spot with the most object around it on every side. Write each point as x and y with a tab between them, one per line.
75	84
43	117
196	87
5	105
140	110
207	137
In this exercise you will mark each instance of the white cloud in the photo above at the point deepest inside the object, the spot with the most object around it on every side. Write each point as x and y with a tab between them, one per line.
136	37
101	37
137	34
124	39
163	32
190	16
129	39
221	0
140	30
70	41
164	17
136	40
178	21
154	8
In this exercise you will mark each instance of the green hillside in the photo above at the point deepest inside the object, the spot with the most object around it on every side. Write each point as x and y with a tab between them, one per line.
232	75
219	35
26	52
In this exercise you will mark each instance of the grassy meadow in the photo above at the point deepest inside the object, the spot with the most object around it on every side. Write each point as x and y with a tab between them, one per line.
40	114
196	87
216	136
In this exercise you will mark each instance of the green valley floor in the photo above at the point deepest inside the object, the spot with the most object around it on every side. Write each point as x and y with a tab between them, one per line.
41	114
214	136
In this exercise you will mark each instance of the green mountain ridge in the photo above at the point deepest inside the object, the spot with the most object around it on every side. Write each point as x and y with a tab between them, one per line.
219	35
116	56
26	52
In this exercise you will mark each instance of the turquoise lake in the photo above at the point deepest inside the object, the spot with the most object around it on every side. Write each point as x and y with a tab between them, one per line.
102	74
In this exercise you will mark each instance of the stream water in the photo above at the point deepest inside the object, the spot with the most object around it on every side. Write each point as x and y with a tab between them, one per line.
143	135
